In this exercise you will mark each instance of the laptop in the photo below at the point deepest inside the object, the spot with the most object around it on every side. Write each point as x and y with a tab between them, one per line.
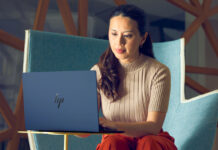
62	101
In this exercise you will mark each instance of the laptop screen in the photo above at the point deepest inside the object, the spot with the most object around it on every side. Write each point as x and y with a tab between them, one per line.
61	101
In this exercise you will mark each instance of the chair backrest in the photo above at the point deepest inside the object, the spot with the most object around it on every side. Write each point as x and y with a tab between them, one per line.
171	54
191	122
60	52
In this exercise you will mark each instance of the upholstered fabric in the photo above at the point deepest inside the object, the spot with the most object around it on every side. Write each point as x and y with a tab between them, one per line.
60	52
191	122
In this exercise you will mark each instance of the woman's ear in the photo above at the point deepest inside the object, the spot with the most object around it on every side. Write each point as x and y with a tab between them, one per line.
144	38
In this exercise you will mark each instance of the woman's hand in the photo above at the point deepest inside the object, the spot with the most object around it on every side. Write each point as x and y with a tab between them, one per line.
152	125
107	123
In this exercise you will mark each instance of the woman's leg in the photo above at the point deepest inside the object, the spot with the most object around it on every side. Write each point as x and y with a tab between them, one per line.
162	141
116	142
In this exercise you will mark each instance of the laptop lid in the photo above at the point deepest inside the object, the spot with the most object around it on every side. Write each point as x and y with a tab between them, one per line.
61	101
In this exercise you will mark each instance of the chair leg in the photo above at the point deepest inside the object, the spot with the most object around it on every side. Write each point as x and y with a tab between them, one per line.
66	141
31	141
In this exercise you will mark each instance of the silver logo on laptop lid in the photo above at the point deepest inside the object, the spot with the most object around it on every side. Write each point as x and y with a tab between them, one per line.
58	99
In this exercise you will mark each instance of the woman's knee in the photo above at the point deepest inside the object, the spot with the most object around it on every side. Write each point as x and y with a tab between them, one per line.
113	142
154	142
148	143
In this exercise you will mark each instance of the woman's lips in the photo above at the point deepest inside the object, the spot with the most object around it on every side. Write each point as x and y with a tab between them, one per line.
120	51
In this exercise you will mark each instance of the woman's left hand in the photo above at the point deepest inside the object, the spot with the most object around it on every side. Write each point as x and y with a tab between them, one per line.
107	123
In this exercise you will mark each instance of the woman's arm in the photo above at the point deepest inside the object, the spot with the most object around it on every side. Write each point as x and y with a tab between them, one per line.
153	125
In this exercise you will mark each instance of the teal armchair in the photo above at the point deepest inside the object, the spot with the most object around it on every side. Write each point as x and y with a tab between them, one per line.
191	122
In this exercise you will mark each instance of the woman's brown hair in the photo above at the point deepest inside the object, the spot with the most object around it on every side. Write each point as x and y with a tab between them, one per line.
108	63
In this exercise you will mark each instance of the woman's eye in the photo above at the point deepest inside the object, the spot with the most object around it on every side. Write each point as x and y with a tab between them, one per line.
114	34
128	36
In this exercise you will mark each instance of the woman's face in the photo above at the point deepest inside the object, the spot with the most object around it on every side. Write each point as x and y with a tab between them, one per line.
124	38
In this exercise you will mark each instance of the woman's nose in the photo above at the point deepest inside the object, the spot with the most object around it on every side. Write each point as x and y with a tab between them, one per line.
121	40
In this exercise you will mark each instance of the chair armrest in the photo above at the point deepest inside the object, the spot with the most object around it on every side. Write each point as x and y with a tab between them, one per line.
194	123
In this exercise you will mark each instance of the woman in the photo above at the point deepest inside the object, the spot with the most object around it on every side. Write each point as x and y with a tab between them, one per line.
133	87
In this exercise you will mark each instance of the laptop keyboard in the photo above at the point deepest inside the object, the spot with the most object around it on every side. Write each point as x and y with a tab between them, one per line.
108	130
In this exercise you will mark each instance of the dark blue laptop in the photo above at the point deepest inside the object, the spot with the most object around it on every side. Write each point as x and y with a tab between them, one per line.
61	101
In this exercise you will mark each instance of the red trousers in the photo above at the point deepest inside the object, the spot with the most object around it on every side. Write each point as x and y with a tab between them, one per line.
162	141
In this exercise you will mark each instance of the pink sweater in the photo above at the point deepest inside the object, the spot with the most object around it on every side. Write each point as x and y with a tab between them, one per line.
144	86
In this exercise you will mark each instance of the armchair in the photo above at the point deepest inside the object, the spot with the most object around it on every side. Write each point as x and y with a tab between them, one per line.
192	122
